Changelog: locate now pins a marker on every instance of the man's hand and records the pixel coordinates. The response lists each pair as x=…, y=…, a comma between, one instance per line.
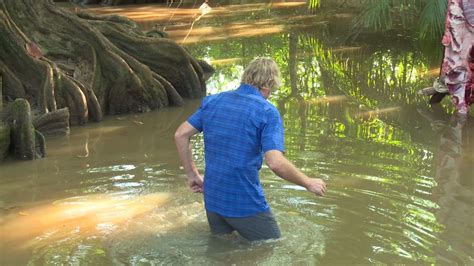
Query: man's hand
x=286, y=170
x=316, y=186
x=195, y=183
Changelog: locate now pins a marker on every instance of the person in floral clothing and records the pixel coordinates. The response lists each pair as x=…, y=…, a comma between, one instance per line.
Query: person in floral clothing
x=458, y=62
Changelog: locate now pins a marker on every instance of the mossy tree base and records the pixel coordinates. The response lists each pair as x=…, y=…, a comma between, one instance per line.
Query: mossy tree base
x=26, y=142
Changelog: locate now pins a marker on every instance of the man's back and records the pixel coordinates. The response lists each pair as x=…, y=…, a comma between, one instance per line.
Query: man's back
x=238, y=126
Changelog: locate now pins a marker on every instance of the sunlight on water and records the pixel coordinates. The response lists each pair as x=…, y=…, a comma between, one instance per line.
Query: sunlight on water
x=83, y=215
x=159, y=13
x=182, y=21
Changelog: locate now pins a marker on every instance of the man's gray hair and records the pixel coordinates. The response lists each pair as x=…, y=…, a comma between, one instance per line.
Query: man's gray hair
x=262, y=72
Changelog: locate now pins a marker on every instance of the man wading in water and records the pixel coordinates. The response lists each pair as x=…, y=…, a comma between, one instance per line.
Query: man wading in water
x=239, y=127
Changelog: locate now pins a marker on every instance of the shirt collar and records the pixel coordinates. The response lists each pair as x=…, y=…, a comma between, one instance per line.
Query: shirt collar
x=248, y=89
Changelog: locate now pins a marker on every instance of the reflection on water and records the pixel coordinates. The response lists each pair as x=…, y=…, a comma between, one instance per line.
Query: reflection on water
x=399, y=174
x=454, y=192
x=378, y=112
x=328, y=99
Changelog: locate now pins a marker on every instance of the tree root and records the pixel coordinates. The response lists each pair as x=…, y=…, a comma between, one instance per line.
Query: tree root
x=173, y=97
x=26, y=143
x=53, y=123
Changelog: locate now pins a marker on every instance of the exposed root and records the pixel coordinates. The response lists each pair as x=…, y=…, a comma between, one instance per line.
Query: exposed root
x=53, y=122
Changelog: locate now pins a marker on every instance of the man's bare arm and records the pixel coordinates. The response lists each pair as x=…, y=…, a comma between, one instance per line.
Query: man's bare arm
x=283, y=168
x=183, y=142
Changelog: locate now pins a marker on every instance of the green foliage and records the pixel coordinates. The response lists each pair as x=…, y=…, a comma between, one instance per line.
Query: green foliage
x=432, y=18
x=314, y=4
x=377, y=16
x=425, y=18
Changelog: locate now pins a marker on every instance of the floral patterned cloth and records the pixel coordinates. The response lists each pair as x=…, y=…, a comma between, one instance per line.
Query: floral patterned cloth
x=468, y=6
x=458, y=40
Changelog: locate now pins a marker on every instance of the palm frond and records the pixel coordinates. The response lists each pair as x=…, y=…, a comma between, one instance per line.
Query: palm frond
x=407, y=11
x=376, y=16
x=432, y=19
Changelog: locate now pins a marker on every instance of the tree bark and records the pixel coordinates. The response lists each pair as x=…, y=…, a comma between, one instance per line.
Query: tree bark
x=93, y=66
x=4, y=140
x=1, y=92
x=53, y=123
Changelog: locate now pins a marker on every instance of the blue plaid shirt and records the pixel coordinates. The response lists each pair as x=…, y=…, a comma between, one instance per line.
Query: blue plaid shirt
x=239, y=127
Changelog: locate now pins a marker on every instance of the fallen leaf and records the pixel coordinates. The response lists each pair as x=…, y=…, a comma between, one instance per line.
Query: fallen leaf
x=33, y=50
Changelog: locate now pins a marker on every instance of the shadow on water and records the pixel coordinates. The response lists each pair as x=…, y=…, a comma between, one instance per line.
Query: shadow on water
x=399, y=173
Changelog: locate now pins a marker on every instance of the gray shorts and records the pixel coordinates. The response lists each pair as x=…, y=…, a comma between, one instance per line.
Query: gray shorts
x=261, y=226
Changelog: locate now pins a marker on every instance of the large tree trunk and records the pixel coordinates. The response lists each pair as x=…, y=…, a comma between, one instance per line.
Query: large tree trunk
x=93, y=66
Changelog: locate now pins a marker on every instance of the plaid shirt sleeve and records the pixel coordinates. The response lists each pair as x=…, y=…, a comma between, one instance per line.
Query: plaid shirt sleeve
x=272, y=133
x=196, y=119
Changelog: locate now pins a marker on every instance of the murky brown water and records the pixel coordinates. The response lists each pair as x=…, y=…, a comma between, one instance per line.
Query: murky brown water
x=399, y=174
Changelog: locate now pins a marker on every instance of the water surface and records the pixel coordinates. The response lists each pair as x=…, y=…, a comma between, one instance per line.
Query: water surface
x=399, y=174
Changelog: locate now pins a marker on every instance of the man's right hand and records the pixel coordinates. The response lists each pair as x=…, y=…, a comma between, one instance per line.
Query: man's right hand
x=182, y=137
x=195, y=183
x=316, y=186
